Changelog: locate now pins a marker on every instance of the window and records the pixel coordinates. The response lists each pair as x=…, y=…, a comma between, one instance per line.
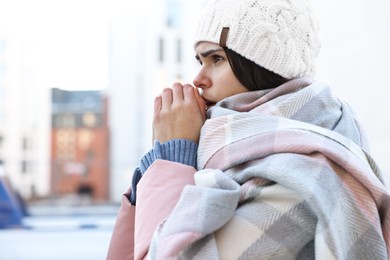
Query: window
x=25, y=166
x=25, y=144
x=173, y=14
x=68, y=121
x=178, y=51
x=161, y=49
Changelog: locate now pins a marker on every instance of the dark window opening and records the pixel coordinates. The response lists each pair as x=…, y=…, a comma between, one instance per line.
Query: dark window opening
x=161, y=50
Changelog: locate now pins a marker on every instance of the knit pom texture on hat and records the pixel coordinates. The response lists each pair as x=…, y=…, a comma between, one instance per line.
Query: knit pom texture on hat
x=279, y=35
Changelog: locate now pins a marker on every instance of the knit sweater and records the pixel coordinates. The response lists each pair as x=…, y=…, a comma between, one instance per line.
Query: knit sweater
x=175, y=150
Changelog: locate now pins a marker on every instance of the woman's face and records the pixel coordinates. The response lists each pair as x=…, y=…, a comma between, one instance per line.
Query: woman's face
x=215, y=77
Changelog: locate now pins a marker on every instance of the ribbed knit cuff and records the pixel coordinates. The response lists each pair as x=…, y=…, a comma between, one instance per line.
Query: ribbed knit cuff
x=175, y=150
x=136, y=178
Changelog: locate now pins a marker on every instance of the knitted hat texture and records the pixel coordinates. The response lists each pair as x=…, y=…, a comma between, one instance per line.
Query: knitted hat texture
x=279, y=35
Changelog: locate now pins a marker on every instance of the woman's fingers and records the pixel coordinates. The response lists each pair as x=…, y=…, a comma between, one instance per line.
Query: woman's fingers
x=157, y=104
x=177, y=93
x=166, y=98
x=192, y=96
x=201, y=103
x=178, y=113
x=188, y=93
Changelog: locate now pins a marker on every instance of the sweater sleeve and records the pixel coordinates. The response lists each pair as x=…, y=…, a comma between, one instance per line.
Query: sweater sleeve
x=177, y=150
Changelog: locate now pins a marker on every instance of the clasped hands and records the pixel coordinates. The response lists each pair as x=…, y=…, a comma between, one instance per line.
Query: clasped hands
x=179, y=112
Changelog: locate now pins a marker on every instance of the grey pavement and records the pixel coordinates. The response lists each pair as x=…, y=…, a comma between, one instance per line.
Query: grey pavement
x=56, y=233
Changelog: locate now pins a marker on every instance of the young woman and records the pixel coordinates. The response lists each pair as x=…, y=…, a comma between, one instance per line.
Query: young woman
x=265, y=163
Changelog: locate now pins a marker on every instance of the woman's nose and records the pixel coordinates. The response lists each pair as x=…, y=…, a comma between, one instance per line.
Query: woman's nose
x=201, y=80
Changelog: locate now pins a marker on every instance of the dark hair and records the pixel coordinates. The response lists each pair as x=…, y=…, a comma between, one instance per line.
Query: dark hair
x=251, y=75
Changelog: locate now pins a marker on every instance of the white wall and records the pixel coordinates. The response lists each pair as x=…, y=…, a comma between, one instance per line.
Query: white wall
x=25, y=115
x=137, y=76
x=129, y=90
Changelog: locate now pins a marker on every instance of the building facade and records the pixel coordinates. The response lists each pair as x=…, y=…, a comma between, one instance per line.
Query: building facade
x=145, y=56
x=2, y=47
x=24, y=120
x=1, y=104
x=80, y=144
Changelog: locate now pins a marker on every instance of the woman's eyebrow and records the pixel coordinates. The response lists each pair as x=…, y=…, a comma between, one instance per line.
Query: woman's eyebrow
x=208, y=53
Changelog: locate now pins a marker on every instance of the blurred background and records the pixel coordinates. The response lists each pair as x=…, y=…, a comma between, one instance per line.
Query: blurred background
x=77, y=83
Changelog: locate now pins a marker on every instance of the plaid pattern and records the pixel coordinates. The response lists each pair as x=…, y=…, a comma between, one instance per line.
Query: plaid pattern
x=276, y=183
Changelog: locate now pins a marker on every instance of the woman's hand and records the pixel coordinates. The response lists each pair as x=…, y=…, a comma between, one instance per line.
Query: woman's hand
x=179, y=112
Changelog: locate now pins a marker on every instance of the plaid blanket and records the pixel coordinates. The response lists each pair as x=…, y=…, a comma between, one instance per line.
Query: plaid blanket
x=283, y=174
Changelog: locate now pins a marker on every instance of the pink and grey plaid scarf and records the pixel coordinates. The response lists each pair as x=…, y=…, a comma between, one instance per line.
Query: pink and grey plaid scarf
x=283, y=174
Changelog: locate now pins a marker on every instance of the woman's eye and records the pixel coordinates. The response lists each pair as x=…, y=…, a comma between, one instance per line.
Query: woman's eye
x=217, y=58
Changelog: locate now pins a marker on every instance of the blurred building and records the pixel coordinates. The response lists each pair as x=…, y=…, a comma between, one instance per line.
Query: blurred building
x=80, y=144
x=145, y=56
x=1, y=104
x=24, y=120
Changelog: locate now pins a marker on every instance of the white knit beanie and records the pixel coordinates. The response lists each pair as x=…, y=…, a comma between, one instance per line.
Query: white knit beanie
x=279, y=35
